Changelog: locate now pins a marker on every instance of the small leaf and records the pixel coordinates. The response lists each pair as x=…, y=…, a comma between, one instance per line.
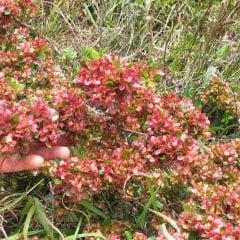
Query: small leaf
x=74, y=73
x=15, y=118
x=128, y=235
x=159, y=205
x=57, y=181
x=24, y=212
x=94, y=54
x=15, y=84
x=187, y=208
x=157, y=78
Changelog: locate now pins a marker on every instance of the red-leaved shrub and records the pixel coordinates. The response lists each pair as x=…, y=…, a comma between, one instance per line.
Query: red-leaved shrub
x=120, y=129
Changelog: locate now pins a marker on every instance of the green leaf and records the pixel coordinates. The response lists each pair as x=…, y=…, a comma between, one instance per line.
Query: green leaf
x=145, y=74
x=128, y=235
x=28, y=221
x=236, y=89
x=126, y=154
x=187, y=208
x=42, y=217
x=157, y=78
x=74, y=73
x=226, y=118
x=93, y=53
x=77, y=229
x=90, y=207
x=24, y=212
x=142, y=216
x=101, y=52
x=139, y=2
x=151, y=190
x=189, y=86
x=159, y=205
x=57, y=181
x=68, y=53
x=152, y=238
x=15, y=118
x=193, y=236
x=42, y=55
x=15, y=84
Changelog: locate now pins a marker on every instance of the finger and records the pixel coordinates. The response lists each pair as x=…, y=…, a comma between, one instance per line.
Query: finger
x=53, y=152
x=13, y=164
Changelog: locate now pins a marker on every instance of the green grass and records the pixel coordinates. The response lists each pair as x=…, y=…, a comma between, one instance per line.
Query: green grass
x=191, y=39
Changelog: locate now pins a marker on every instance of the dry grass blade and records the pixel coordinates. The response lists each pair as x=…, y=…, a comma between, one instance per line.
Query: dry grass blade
x=168, y=219
x=2, y=228
x=166, y=233
x=66, y=19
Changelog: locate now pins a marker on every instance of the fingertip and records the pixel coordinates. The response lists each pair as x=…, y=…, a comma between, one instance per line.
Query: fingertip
x=62, y=152
x=53, y=152
x=31, y=162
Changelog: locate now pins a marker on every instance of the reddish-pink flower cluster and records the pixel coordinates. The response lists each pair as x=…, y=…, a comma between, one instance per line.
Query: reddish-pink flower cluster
x=25, y=67
x=24, y=59
x=123, y=127
x=23, y=124
x=9, y=10
x=214, y=207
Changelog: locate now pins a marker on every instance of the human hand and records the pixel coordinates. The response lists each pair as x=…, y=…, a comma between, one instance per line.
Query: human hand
x=35, y=158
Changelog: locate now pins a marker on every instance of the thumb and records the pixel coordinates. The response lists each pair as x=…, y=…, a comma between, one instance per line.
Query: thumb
x=12, y=164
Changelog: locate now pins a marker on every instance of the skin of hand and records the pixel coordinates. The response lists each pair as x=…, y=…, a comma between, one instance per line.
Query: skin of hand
x=36, y=157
